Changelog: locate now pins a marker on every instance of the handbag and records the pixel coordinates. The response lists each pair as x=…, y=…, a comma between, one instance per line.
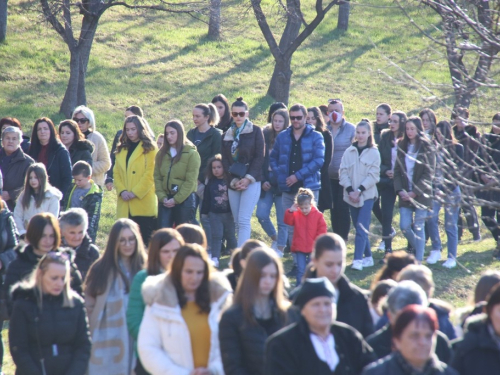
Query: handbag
x=238, y=169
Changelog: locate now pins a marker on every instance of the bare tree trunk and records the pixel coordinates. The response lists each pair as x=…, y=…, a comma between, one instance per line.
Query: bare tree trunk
x=343, y=19
x=70, y=97
x=214, y=23
x=3, y=20
x=279, y=87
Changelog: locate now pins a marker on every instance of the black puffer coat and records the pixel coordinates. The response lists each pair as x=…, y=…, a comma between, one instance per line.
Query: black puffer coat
x=26, y=262
x=290, y=351
x=14, y=174
x=242, y=344
x=81, y=151
x=60, y=335
x=390, y=365
x=86, y=254
x=476, y=353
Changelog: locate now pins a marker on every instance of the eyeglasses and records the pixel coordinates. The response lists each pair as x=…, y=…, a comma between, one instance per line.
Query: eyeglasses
x=296, y=118
x=81, y=120
x=124, y=241
x=236, y=114
x=334, y=101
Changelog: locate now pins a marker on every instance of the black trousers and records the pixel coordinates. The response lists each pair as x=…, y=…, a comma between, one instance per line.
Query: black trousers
x=491, y=218
x=147, y=225
x=339, y=214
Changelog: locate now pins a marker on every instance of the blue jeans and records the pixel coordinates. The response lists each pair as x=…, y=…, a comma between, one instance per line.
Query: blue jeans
x=179, y=214
x=361, y=217
x=242, y=204
x=302, y=262
x=263, y=215
x=414, y=234
x=451, y=204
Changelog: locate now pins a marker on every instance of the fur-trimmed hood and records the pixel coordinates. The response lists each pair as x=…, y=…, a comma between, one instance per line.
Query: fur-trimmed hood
x=160, y=289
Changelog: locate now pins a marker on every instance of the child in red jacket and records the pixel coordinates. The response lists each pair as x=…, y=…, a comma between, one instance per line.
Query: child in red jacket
x=308, y=224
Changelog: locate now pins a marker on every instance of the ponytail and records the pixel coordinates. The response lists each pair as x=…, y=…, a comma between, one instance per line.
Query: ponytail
x=211, y=111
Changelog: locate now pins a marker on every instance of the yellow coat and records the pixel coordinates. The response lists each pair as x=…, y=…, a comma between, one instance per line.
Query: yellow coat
x=138, y=179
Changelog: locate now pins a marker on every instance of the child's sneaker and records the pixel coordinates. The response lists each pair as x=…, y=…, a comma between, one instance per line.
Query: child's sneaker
x=357, y=265
x=215, y=262
x=382, y=245
x=368, y=262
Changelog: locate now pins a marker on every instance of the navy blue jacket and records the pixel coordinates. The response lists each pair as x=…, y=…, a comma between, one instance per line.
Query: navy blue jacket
x=313, y=157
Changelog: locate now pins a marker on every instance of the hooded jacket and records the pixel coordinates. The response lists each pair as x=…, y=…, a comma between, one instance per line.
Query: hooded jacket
x=313, y=156
x=183, y=174
x=27, y=261
x=100, y=156
x=81, y=150
x=14, y=175
x=476, y=353
x=164, y=342
x=86, y=254
x=59, y=335
x=136, y=176
x=360, y=170
x=306, y=229
x=50, y=203
x=91, y=203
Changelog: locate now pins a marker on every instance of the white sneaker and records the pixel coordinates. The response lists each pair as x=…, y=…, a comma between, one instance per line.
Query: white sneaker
x=393, y=233
x=382, y=245
x=368, y=262
x=215, y=262
x=450, y=263
x=274, y=245
x=279, y=253
x=434, y=256
x=357, y=265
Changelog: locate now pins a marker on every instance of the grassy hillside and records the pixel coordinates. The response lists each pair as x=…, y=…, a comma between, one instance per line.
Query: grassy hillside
x=165, y=64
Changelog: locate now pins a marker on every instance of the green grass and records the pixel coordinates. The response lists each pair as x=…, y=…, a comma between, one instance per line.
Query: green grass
x=165, y=64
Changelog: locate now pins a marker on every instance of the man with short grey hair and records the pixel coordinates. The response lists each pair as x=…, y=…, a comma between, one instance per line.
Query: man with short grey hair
x=13, y=165
x=404, y=294
x=74, y=224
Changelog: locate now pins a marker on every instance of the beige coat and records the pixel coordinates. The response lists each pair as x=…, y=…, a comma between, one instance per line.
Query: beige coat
x=164, y=342
x=101, y=161
x=356, y=170
x=22, y=215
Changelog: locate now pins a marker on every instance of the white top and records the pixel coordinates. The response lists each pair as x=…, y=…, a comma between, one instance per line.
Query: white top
x=410, y=159
x=173, y=152
x=325, y=350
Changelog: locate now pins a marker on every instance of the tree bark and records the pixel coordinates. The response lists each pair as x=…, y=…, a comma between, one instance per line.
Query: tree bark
x=3, y=20
x=343, y=19
x=279, y=87
x=214, y=23
x=70, y=99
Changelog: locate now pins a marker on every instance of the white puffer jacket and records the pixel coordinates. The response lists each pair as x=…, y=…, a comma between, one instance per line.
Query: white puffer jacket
x=164, y=343
x=22, y=216
x=101, y=160
x=356, y=170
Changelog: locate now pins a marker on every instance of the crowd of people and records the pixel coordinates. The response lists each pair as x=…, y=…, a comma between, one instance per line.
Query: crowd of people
x=154, y=301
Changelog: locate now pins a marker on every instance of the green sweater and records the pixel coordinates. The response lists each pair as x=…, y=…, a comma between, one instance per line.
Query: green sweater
x=136, y=305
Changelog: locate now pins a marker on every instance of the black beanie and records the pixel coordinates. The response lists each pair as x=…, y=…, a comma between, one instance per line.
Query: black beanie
x=312, y=288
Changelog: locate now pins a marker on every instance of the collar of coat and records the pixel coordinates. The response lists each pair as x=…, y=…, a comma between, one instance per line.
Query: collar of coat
x=160, y=289
x=248, y=128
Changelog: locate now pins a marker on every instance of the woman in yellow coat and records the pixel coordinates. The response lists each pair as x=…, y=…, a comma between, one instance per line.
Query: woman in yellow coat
x=133, y=173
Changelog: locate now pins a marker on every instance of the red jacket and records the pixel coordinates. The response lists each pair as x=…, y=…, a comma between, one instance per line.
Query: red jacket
x=306, y=229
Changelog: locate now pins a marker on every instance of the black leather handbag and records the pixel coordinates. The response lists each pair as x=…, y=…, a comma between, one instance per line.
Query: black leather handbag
x=238, y=169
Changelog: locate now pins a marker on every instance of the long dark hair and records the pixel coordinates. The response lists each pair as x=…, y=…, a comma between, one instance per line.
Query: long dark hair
x=283, y=113
x=320, y=121
x=159, y=239
x=420, y=139
x=179, y=145
x=208, y=173
x=108, y=263
x=75, y=129
x=43, y=182
x=224, y=121
x=142, y=131
x=202, y=295
x=35, y=141
x=402, y=123
x=248, y=284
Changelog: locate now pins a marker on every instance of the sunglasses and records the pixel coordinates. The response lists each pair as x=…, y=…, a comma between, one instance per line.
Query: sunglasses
x=296, y=118
x=236, y=114
x=81, y=120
